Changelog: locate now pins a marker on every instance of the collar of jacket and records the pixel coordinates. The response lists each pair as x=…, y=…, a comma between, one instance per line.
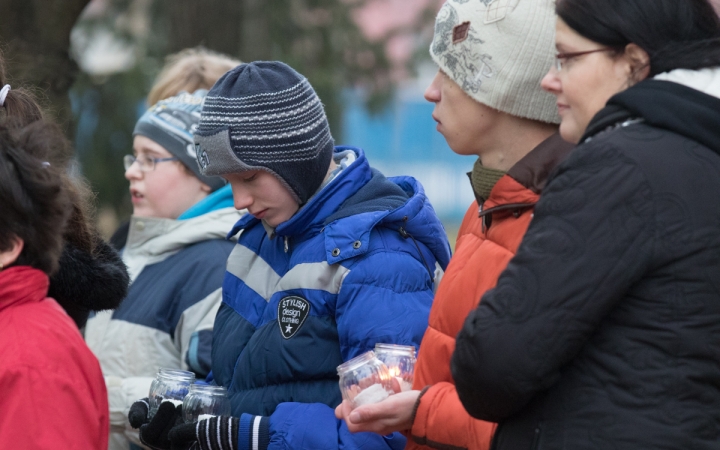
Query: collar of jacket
x=666, y=105
x=483, y=179
x=154, y=236
x=521, y=187
x=401, y=203
x=22, y=284
x=323, y=203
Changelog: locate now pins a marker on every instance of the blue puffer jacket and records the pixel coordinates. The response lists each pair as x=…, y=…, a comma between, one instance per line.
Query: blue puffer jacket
x=355, y=266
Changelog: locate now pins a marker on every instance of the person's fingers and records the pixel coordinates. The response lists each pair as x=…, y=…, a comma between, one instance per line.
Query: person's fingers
x=182, y=434
x=137, y=415
x=366, y=413
x=395, y=384
x=343, y=409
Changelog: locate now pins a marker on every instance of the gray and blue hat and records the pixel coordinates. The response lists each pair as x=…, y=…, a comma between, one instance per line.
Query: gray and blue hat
x=265, y=116
x=172, y=123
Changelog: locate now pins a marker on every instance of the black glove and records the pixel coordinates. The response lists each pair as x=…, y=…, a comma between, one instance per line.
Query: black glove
x=138, y=413
x=216, y=433
x=155, y=433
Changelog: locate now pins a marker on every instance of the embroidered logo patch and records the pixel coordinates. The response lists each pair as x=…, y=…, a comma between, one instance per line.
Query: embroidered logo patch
x=292, y=312
x=460, y=32
x=202, y=157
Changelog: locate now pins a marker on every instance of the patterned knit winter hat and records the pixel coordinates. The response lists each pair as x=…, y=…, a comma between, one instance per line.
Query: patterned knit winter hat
x=266, y=116
x=171, y=123
x=498, y=51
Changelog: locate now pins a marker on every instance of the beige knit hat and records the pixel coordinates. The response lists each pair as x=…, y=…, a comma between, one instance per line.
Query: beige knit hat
x=497, y=51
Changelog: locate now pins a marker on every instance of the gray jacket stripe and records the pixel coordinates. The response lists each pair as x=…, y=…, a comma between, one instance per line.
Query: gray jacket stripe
x=261, y=278
x=253, y=270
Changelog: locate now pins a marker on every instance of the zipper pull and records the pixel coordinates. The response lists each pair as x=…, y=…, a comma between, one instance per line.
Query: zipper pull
x=287, y=245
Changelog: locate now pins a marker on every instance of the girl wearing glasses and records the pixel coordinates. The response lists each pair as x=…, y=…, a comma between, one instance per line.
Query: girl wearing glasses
x=175, y=253
x=604, y=330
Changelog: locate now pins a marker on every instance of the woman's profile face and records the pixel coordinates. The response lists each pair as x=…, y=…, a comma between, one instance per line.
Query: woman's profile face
x=585, y=83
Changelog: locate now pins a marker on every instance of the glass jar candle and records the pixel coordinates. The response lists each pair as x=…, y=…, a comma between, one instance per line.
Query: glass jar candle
x=400, y=362
x=169, y=385
x=364, y=380
x=205, y=401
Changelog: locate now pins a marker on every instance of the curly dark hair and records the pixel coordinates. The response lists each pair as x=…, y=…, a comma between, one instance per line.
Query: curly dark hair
x=34, y=204
x=20, y=110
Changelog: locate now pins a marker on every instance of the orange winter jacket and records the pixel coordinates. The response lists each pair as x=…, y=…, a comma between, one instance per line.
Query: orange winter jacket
x=487, y=240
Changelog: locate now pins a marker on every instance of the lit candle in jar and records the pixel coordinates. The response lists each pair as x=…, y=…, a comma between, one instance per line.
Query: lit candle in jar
x=364, y=380
x=400, y=361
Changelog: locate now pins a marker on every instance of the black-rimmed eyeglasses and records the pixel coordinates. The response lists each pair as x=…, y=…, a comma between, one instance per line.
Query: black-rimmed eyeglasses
x=146, y=163
x=562, y=58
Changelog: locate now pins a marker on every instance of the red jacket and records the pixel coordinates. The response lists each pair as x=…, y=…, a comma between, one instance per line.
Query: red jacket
x=486, y=242
x=52, y=392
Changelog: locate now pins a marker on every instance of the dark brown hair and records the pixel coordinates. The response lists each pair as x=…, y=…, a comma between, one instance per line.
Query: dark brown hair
x=34, y=204
x=20, y=104
x=21, y=109
x=676, y=34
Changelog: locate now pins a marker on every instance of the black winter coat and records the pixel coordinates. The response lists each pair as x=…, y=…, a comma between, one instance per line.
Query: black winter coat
x=604, y=331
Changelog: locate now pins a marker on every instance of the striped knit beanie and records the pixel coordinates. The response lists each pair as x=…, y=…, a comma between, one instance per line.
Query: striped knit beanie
x=171, y=123
x=265, y=116
x=498, y=51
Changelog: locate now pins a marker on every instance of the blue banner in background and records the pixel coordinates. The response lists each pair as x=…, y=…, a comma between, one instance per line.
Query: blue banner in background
x=402, y=140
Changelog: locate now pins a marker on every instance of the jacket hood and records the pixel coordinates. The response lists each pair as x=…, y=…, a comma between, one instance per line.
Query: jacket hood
x=415, y=218
x=358, y=200
x=397, y=203
x=88, y=282
x=666, y=105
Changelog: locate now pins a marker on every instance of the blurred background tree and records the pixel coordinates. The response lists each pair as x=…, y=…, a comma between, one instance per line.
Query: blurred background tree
x=35, y=39
x=121, y=45
x=92, y=62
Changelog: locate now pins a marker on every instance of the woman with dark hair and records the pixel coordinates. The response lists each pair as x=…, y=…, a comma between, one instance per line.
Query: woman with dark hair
x=92, y=277
x=604, y=331
x=53, y=392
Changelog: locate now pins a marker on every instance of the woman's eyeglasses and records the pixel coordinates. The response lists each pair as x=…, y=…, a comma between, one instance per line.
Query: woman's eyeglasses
x=562, y=58
x=146, y=163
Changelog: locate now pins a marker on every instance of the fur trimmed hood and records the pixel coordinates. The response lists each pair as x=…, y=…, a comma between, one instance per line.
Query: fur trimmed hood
x=89, y=282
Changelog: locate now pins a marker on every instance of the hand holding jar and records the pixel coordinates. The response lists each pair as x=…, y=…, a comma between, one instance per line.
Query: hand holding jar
x=364, y=380
x=374, y=376
x=169, y=385
x=204, y=402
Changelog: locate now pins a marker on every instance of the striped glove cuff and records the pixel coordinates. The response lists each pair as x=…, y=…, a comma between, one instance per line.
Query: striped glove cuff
x=254, y=432
x=218, y=433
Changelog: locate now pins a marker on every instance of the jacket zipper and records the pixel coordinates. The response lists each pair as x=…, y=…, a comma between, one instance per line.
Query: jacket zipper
x=486, y=214
x=536, y=437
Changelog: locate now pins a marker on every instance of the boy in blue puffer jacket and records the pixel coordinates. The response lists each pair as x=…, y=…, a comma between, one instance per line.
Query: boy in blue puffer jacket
x=332, y=259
